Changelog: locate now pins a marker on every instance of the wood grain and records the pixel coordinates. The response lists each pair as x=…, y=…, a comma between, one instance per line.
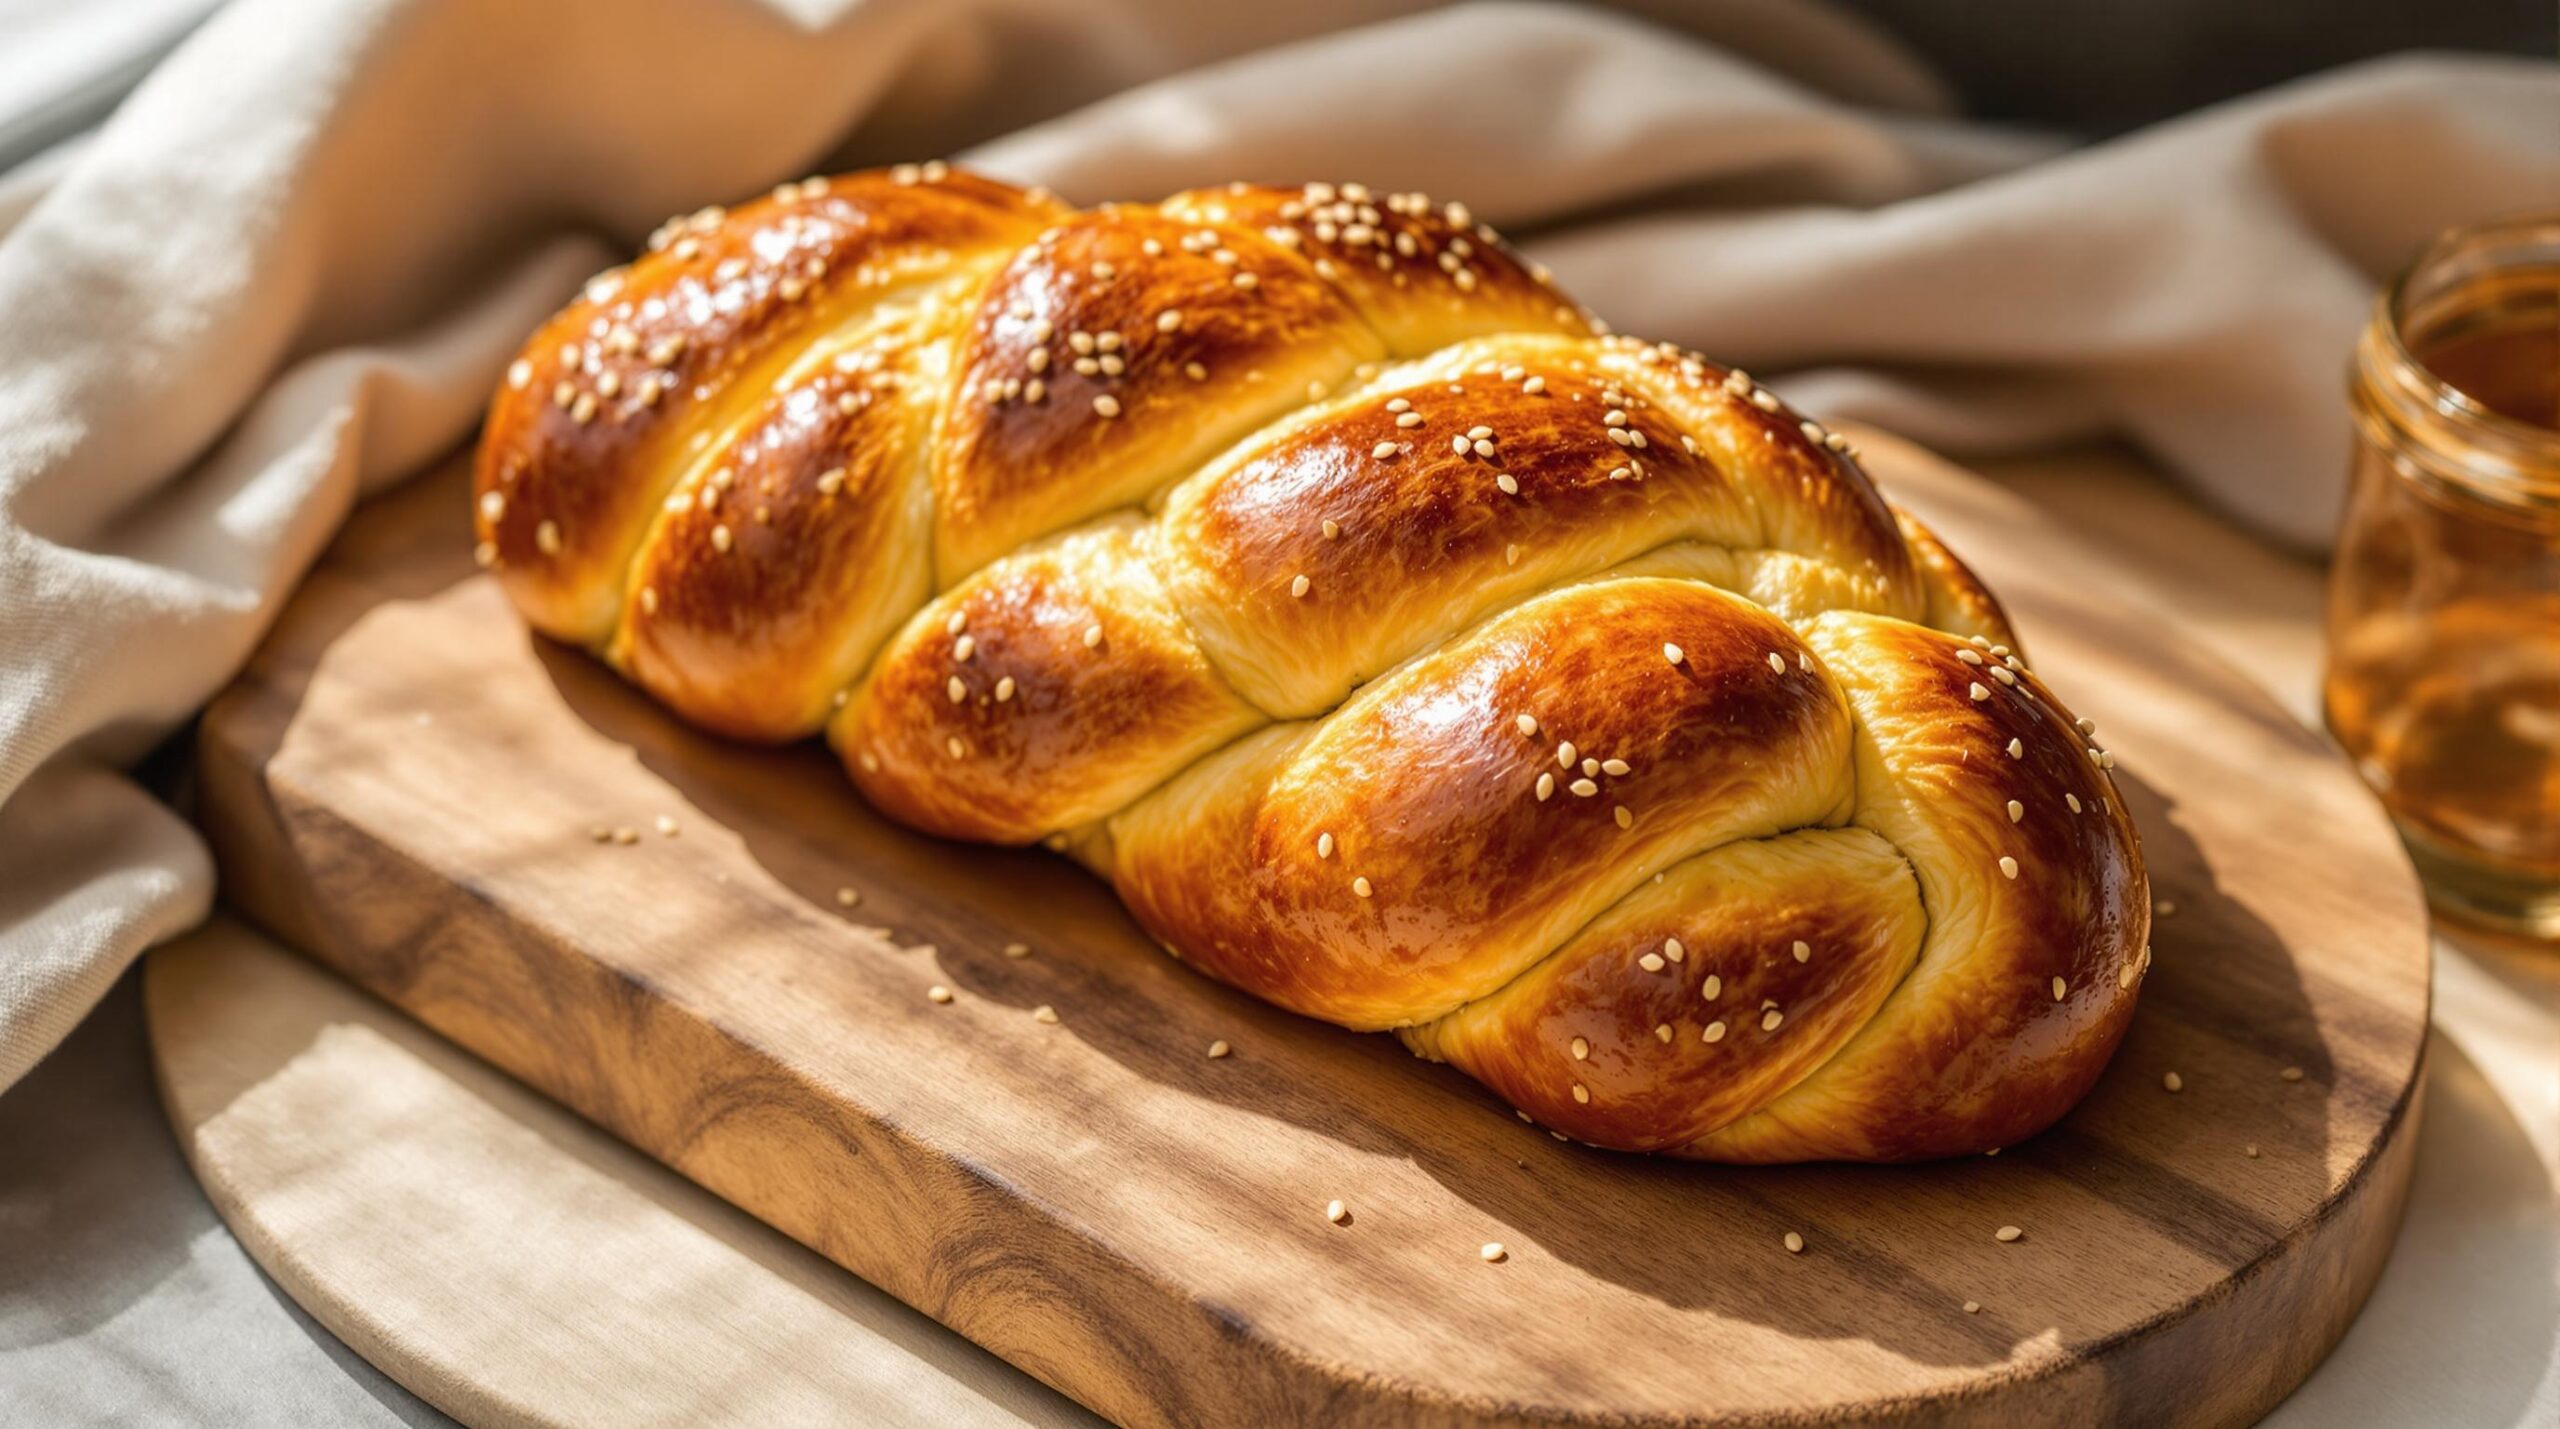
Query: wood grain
x=405, y=783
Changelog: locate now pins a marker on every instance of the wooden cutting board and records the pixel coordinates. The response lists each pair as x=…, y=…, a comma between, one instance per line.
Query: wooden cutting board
x=404, y=783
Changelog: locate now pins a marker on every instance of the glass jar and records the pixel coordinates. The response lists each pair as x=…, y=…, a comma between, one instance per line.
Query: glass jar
x=2444, y=598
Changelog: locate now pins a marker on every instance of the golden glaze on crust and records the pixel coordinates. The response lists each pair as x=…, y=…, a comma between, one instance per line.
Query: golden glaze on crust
x=1570, y=704
x=1114, y=354
x=1697, y=999
x=1481, y=845
x=592, y=425
x=1424, y=275
x=1981, y=1045
x=776, y=572
x=1045, y=692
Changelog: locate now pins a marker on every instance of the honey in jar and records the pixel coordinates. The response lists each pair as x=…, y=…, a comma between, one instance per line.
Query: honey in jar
x=2444, y=599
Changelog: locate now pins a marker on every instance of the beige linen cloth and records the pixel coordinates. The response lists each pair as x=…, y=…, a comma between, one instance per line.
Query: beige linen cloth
x=289, y=270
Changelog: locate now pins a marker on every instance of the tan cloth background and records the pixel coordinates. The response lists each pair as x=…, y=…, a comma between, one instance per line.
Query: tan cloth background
x=291, y=267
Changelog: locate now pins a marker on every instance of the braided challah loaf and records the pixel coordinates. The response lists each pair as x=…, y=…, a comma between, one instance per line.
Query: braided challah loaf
x=1402, y=651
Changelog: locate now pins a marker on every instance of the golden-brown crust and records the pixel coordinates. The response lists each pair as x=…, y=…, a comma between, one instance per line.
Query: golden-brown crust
x=1980, y=1046
x=1050, y=689
x=1696, y=1000
x=777, y=571
x=1114, y=354
x=592, y=426
x=1619, y=772
x=1958, y=602
x=1423, y=274
x=1431, y=792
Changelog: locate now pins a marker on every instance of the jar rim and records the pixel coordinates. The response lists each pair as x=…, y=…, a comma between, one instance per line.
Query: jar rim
x=2528, y=451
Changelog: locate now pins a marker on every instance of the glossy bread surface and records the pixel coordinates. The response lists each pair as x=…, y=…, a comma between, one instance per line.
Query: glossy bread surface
x=1401, y=650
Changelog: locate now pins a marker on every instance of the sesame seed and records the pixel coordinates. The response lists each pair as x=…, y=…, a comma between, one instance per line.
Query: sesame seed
x=2008, y=867
x=2003, y=676
x=1409, y=419
x=1107, y=405
x=1565, y=754
x=955, y=748
x=1219, y=1049
x=1803, y=951
x=1324, y=845
x=1712, y=989
x=1613, y=767
x=2017, y=749
x=626, y=835
x=1170, y=320
x=2173, y=1082
x=1581, y=1049
x=1383, y=450
x=1092, y=636
x=1493, y=1252
x=1769, y=1020
x=1361, y=887
x=846, y=897
x=1969, y=655
x=1674, y=654
x=938, y=993
x=720, y=537
x=2059, y=988
x=1662, y=1032
x=1017, y=950
x=1195, y=372
x=1581, y=1093
x=1336, y=1212
x=1004, y=689
x=2073, y=800
x=1973, y=1307
x=1526, y=724
x=1298, y=588
x=2006, y=1234
x=1794, y=1243
x=547, y=537
x=667, y=827
x=1582, y=788
x=1625, y=819
x=1977, y=691
x=1045, y=1014
x=1508, y=486
x=1534, y=386
x=2250, y=1151
x=1546, y=787
x=2017, y=811
x=2164, y=907
x=1715, y=1032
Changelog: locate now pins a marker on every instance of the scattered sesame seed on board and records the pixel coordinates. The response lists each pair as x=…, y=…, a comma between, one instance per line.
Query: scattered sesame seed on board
x=2006, y=1234
x=1794, y=1243
x=2173, y=1082
x=1493, y=1253
x=1803, y=951
x=1714, y=1032
x=1581, y=1048
x=938, y=993
x=1045, y=1014
x=2291, y=1074
x=1219, y=1049
x=1017, y=950
x=1973, y=1307
x=1337, y=1213
x=847, y=897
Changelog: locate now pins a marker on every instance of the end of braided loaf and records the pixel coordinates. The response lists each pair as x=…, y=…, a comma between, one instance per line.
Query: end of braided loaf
x=1403, y=651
